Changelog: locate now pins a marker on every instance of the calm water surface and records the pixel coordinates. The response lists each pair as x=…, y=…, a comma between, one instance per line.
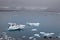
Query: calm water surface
x=50, y=22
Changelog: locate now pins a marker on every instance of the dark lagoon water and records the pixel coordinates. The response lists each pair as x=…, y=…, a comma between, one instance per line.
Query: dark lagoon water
x=49, y=22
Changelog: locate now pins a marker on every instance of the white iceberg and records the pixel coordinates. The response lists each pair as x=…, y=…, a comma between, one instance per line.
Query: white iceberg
x=34, y=30
x=13, y=26
x=42, y=32
x=47, y=34
x=33, y=24
x=31, y=37
x=37, y=35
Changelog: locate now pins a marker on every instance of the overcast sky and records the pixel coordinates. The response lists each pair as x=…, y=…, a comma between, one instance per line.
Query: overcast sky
x=31, y=3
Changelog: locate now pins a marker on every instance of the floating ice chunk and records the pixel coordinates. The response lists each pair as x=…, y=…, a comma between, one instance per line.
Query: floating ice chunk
x=23, y=36
x=22, y=26
x=37, y=35
x=34, y=39
x=14, y=26
x=34, y=29
x=42, y=32
x=33, y=24
x=31, y=37
x=46, y=34
x=52, y=33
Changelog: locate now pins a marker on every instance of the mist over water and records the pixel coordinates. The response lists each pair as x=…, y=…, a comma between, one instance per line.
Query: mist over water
x=53, y=5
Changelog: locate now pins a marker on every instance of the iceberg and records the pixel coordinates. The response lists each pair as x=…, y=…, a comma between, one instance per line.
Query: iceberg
x=31, y=37
x=37, y=35
x=47, y=34
x=14, y=26
x=42, y=32
x=33, y=24
x=34, y=30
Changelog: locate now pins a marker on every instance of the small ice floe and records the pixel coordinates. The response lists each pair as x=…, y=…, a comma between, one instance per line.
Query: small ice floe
x=37, y=35
x=14, y=26
x=47, y=34
x=34, y=39
x=42, y=32
x=23, y=36
x=33, y=24
x=34, y=30
x=31, y=37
